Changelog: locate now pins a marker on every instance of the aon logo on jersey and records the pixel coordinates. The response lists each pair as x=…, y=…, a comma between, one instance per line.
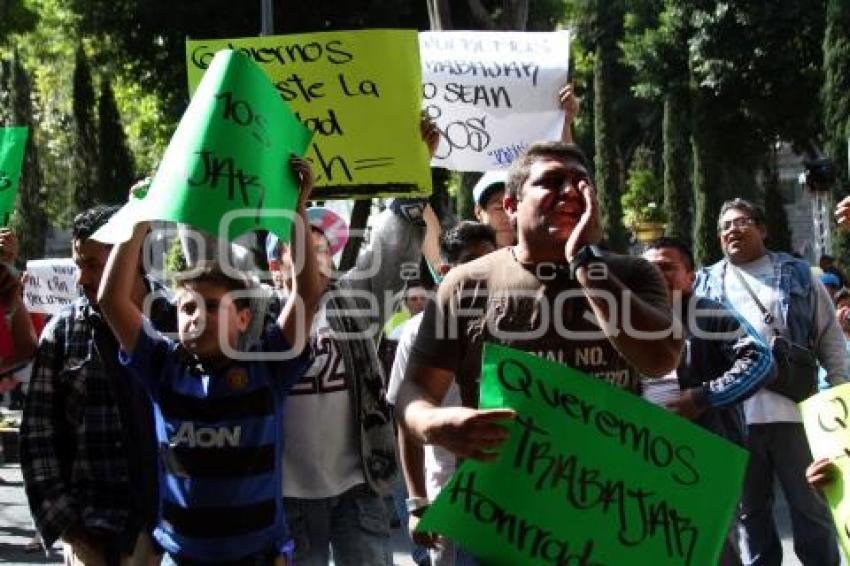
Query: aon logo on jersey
x=206, y=437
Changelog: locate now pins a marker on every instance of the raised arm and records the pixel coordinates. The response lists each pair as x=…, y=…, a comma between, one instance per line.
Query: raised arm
x=570, y=103
x=24, y=340
x=642, y=325
x=296, y=316
x=116, y=289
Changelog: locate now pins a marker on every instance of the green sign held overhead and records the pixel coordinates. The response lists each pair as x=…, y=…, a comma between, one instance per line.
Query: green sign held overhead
x=359, y=91
x=590, y=475
x=13, y=143
x=226, y=169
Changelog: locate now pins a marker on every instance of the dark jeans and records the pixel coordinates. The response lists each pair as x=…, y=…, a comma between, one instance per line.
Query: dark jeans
x=781, y=449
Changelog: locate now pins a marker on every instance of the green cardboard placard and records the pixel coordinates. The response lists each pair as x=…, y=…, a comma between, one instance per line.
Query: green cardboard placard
x=826, y=418
x=13, y=144
x=590, y=475
x=359, y=91
x=226, y=169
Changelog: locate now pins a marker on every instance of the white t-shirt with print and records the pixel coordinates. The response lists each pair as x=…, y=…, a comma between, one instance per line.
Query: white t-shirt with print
x=321, y=458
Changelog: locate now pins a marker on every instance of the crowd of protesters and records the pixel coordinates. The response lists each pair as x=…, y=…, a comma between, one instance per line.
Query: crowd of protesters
x=218, y=418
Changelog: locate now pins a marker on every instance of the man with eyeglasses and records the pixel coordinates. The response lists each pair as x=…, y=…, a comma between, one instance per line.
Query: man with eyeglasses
x=777, y=295
x=555, y=294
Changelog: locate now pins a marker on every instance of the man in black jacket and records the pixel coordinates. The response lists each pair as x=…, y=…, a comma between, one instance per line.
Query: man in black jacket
x=724, y=361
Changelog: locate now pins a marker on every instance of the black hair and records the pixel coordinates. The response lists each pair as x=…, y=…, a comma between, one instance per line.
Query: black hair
x=89, y=221
x=521, y=168
x=461, y=236
x=676, y=244
x=212, y=273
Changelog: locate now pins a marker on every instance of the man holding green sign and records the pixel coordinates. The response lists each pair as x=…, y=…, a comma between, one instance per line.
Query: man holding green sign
x=554, y=294
x=595, y=476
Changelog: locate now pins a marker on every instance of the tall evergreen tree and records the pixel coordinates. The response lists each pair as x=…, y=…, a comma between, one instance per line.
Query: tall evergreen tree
x=609, y=17
x=85, y=131
x=30, y=219
x=115, y=172
x=706, y=182
x=678, y=195
x=836, y=106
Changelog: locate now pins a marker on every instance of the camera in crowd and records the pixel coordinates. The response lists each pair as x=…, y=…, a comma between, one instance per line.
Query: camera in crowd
x=819, y=174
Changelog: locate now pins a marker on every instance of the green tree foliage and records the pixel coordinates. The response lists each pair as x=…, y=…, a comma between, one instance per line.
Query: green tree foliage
x=84, y=174
x=836, y=106
x=30, y=219
x=735, y=77
x=655, y=47
x=678, y=193
x=15, y=17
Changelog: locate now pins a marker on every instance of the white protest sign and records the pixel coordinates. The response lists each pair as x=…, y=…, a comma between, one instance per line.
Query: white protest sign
x=492, y=94
x=51, y=284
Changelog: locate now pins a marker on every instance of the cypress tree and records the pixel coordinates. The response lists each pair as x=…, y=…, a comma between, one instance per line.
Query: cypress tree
x=678, y=198
x=85, y=150
x=836, y=107
x=115, y=173
x=30, y=219
x=609, y=16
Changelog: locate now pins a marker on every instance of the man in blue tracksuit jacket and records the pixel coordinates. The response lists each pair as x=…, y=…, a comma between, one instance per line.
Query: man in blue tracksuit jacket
x=724, y=360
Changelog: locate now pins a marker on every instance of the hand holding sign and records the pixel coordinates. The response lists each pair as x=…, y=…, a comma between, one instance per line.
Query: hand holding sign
x=826, y=418
x=470, y=433
x=589, y=475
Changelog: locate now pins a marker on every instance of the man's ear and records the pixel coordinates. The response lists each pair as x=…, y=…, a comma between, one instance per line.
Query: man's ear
x=476, y=211
x=243, y=318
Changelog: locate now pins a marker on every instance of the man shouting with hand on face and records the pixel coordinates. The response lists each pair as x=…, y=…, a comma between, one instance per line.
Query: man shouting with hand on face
x=555, y=294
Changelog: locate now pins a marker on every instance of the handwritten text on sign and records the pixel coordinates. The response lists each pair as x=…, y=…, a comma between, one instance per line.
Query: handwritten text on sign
x=826, y=418
x=492, y=94
x=590, y=475
x=225, y=170
x=51, y=285
x=362, y=104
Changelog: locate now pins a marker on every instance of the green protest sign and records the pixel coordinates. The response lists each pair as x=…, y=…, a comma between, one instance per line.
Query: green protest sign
x=826, y=417
x=226, y=169
x=13, y=143
x=359, y=91
x=590, y=475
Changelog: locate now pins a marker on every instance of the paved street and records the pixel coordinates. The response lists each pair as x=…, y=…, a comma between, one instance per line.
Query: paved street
x=16, y=530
